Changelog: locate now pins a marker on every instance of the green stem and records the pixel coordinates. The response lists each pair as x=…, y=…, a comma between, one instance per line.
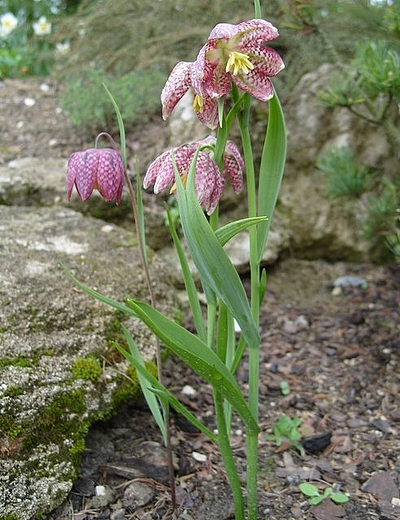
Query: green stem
x=252, y=440
x=227, y=456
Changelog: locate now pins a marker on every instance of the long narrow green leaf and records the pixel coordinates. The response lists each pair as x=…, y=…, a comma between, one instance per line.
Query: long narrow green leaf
x=271, y=170
x=225, y=233
x=212, y=262
x=164, y=394
x=121, y=126
x=197, y=356
x=145, y=385
x=109, y=301
x=190, y=286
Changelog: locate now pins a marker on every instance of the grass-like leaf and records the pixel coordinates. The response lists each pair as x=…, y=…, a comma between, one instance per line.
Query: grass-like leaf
x=195, y=353
x=271, y=170
x=164, y=394
x=212, y=262
x=145, y=385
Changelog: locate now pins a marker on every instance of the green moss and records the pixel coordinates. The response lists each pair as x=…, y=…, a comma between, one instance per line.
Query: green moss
x=16, y=362
x=9, y=427
x=59, y=421
x=11, y=516
x=87, y=368
x=13, y=391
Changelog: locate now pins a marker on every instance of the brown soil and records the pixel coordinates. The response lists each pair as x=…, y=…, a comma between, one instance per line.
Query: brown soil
x=339, y=354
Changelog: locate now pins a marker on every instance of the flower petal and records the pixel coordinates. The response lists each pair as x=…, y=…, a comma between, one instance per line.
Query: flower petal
x=215, y=81
x=209, y=115
x=256, y=81
x=71, y=172
x=160, y=172
x=234, y=166
x=208, y=182
x=176, y=87
x=110, y=174
x=224, y=31
x=255, y=32
x=86, y=173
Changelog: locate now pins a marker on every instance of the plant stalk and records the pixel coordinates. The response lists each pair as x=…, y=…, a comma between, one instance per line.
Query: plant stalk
x=227, y=456
x=252, y=439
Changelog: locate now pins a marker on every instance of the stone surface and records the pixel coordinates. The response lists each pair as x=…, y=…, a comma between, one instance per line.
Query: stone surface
x=46, y=324
x=319, y=227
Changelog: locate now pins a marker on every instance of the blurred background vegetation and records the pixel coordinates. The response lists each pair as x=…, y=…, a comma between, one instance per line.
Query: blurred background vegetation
x=132, y=45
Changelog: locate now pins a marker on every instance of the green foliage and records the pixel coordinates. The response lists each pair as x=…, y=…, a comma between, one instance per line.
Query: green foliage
x=285, y=388
x=87, y=368
x=88, y=105
x=345, y=176
x=310, y=490
x=391, y=18
x=13, y=391
x=383, y=212
x=9, y=426
x=378, y=67
x=23, y=50
x=369, y=85
x=16, y=362
x=286, y=430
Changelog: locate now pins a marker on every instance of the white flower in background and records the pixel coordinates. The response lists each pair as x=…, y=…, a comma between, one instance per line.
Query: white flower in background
x=8, y=22
x=42, y=27
x=63, y=48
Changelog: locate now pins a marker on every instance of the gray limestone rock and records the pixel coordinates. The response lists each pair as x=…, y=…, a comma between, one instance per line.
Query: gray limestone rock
x=48, y=395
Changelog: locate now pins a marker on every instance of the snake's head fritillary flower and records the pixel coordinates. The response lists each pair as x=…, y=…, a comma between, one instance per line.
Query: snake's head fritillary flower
x=238, y=54
x=178, y=83
x=233, y=54
x=209, y=182
x=96, y=168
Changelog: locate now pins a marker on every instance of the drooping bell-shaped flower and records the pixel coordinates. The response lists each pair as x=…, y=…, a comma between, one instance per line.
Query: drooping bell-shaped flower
x=238, y=54
x=178, y=83
x=233, y=54
x=96, y=168
x=209, y=182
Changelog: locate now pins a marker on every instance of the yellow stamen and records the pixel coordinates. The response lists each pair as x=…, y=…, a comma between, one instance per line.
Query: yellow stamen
x=198, y=104
x=183, y=179
x=239, y=62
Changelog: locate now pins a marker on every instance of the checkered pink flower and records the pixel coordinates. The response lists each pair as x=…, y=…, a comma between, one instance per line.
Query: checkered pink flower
x=178, y=83
x=209, y=183
x=236, y=53
x=233, y=54
x=96, y=168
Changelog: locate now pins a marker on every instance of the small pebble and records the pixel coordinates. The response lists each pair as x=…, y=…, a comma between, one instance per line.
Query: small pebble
x=29, y=102
x=200, y=457
x=350, y=281
x=189, y=391
x=136, y=495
